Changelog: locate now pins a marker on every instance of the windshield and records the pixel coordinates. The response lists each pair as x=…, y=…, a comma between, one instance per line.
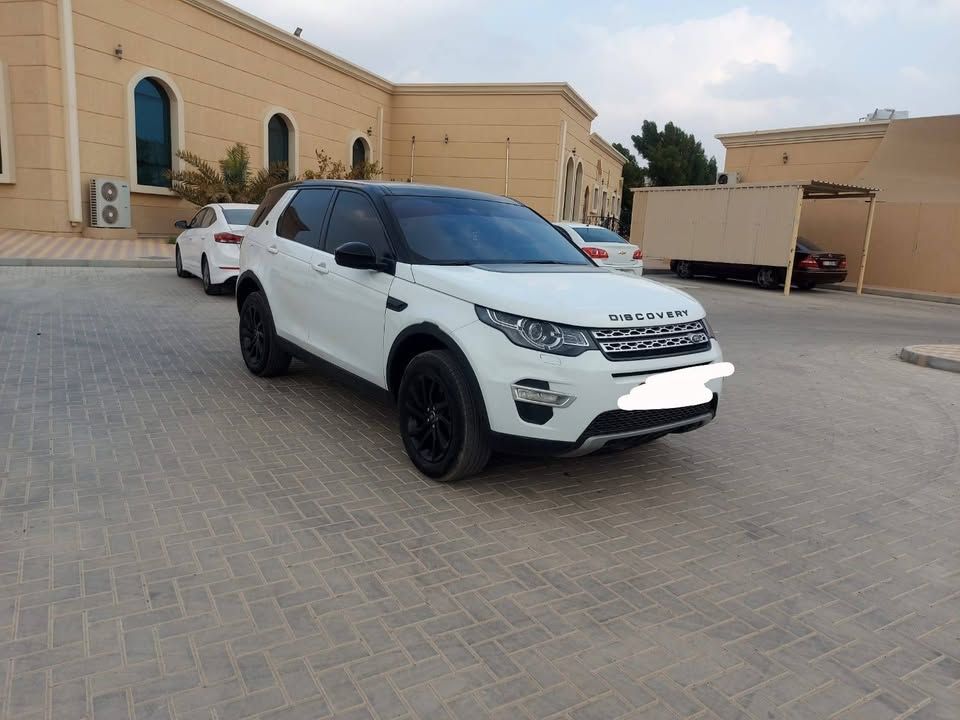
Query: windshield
x=596, y=234
x=468, y=231
x=238, y=216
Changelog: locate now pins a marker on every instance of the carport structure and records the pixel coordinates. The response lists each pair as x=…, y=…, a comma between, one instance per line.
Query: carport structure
x=749, y=224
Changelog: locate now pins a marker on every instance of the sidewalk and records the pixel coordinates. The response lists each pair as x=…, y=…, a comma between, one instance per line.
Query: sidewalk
x=19, y=247
x=941, y=357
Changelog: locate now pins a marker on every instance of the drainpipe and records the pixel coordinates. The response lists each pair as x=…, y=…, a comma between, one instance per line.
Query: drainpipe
x=380, y=139
x=506, y=174
x=563, y=156
x=71, y=126
x=413, y=148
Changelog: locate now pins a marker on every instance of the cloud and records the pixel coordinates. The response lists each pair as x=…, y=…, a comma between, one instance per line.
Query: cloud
x=862, y=12
x=676, y=388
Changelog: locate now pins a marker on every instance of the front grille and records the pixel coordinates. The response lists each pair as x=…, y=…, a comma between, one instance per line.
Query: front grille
x=614, y=422
x=652, y=341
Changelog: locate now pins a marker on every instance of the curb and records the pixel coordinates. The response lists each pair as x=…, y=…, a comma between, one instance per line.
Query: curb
x=904, y=294
x=918, y=355
x=82, y=262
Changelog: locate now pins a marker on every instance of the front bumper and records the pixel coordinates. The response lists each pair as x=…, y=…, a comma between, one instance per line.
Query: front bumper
x=595, y=382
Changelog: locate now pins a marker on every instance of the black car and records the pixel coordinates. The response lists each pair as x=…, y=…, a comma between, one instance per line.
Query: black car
x=811, y=266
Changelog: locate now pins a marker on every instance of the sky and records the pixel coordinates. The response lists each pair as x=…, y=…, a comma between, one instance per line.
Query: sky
x=709, y=66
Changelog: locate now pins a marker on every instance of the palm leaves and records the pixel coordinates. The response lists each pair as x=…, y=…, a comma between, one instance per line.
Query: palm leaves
x=203, y=184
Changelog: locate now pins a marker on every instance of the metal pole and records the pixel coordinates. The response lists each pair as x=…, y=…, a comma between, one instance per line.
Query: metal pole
x=506, y=174
x=413, y=147
x=866, y=244
x=793, y=242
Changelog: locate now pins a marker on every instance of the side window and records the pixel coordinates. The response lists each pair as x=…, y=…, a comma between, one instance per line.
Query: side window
x=302, y=219
x=195, y=223
x=209, y=218
x=266, y=205
x=354, y=219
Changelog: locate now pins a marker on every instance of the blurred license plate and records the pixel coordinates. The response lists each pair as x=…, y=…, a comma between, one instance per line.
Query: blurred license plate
x=829, y=263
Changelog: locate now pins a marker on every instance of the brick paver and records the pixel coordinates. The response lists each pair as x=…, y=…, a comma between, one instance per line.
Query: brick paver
x=179, y=540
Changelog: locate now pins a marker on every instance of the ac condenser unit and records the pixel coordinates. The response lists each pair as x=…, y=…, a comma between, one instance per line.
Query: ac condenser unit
x=728, y=178
x=109, y=203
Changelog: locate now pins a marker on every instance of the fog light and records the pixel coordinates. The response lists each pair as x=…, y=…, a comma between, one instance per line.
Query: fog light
x=541, y=397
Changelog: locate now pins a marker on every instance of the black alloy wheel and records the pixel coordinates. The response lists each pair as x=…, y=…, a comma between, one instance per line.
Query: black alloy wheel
x=429, y=422
x=441, y=418
x=259, y=344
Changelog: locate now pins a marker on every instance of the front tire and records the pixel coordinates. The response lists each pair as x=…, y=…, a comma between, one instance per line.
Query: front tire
x=259, y=343
x=441, y=421
x=208, y=287
x=180, y=271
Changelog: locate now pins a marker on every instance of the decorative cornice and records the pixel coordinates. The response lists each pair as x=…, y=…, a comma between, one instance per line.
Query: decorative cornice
x=245, y=20
x=546, y=88
x=814, y=133
x=282, y=37
x=607, y=148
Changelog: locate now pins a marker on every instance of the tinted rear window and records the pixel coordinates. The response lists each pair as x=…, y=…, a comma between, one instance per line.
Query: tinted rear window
x=273, y=196
x=454, y=230
x=598, y=235
x=804, y=245
x=238, y=216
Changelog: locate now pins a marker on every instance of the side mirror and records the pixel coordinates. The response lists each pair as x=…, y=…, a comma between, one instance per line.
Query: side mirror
x=182, y=224
x=357, y=255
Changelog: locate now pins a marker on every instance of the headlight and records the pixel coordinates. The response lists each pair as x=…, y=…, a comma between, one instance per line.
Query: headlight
x=538, y=334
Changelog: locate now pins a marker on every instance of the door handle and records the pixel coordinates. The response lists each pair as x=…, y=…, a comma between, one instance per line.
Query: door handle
x=321, y=267
x=273, y=249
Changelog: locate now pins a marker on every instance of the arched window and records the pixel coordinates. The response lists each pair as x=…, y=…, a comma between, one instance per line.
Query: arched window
x=278, y=141
x=567, y=211
x=577, y=185
x=154, y=138
x=586, y=205
x=359, y=153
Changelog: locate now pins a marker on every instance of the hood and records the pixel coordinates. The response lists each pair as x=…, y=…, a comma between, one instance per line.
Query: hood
x=592, y=297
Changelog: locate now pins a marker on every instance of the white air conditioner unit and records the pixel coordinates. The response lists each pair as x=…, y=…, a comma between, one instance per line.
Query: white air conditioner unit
x=728, y=178
x=109, y=203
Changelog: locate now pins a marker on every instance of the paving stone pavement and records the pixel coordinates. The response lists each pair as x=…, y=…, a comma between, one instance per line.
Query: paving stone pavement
x=179, y=540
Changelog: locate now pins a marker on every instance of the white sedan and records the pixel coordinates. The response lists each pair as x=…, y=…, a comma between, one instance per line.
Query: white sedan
x=209, y=245
x=605, y=247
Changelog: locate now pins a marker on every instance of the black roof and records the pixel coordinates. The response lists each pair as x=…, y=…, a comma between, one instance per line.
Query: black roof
x=400, y=188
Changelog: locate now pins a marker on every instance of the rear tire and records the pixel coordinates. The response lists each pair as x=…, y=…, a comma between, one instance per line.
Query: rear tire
x=767, y=278
x=441, y=420
x=684, y=269
x=259, y=343
x=180, y=271
x=208, y=287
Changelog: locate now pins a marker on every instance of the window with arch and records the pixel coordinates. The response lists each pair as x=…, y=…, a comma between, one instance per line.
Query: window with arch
x=154, y=137
x=278, y=141
x=359, y=153
x=566, y=212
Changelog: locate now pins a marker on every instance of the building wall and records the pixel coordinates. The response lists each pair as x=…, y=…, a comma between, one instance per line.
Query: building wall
x=228, y=73
x=835, y=160
x=29, y=49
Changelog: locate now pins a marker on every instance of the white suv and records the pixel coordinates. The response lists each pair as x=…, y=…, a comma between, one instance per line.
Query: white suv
x=488, y=326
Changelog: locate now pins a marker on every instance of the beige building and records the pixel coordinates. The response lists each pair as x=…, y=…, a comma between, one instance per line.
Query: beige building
x=915, y=242
x=113, y=88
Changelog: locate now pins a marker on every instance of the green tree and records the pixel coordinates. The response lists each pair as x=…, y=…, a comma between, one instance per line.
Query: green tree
x=633, y=176
x=673, y=156
x=233, y=182
x=328, y=169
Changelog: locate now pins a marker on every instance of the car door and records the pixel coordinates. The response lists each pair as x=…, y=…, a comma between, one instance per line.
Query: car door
x=293, y=279
x=352, y=306
x=204, y=233
x=191, y=261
